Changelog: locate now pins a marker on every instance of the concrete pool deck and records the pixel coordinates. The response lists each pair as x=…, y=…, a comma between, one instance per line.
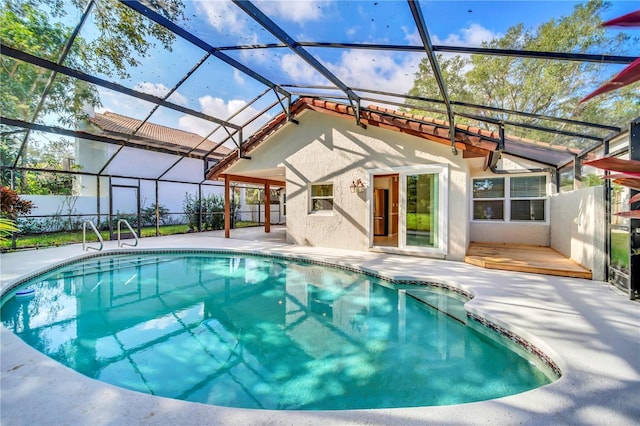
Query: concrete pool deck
x=590, y=329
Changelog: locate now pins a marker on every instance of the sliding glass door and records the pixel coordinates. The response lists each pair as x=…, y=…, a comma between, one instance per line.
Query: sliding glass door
x=421, y=210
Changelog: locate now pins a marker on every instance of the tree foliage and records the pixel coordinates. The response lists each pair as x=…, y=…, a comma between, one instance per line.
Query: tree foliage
x=43, y=27
x=121, y=39
x=540, y=86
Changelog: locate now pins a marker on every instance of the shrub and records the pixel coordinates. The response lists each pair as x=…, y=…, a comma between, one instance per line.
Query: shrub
x=12, y=204
x=7, y=227
x=211, y=208
x=148, y=215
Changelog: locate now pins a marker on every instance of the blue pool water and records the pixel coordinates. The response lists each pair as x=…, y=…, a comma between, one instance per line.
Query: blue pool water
x=257, y=332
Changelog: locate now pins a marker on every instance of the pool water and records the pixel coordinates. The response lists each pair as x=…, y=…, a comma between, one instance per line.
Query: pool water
x=258, y=332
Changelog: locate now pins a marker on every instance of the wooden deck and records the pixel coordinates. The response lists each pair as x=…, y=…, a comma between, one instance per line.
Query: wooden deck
x=523, y=258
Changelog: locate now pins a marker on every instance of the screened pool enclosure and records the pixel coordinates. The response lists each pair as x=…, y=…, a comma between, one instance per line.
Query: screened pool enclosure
x=118, y=109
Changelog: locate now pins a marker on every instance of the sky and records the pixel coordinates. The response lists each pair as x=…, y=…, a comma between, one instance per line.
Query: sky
x=218, y=89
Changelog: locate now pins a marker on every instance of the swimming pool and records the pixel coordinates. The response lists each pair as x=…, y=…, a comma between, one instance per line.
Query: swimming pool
x=257, y=332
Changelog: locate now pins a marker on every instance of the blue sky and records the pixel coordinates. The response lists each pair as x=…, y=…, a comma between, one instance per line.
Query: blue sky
x=219, y=90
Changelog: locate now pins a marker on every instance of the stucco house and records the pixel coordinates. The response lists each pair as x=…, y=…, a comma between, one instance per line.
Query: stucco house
x=393, y=182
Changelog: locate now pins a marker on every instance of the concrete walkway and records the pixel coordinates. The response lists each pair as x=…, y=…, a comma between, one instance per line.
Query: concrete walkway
x=591, y=331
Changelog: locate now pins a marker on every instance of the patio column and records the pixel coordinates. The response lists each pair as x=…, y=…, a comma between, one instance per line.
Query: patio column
x=267, y=207
x=227, y=208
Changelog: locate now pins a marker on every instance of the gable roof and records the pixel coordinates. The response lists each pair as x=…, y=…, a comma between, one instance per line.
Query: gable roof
x=155, y=135
x=472, y=141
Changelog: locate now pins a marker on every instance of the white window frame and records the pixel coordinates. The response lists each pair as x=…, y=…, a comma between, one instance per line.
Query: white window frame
x=544, y=198
x=504, y=199
x=507, y=199
x=324, y=197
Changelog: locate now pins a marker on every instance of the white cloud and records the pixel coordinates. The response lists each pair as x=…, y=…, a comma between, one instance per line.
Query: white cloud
x=238, y=77
x=160, y=90
x=298, y=11
x=124, y=105
x=299, y=71
x=413, y=38
x=155, y=89
x=223, y=16
x=178, y=98
x=228, y=19
x=218, y=108
x=376, y=70
x=472, y=36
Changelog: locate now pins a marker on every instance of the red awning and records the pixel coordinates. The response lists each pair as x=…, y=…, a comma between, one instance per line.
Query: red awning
x=629, y=75
x=630, y=181
x=634, y=214
x=629, y=20
x=615, y=164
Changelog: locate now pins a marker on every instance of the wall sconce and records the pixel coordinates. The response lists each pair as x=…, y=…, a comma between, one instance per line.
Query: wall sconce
x=357, y=186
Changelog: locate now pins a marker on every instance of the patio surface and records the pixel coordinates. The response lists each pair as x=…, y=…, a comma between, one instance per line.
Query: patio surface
x=590, y=329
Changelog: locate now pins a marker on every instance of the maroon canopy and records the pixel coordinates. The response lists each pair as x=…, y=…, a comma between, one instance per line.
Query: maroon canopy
x=631, y=73
x=629, y=20
x=630, y=181
x=628, y=75
x=615, y=164
x=633, y=214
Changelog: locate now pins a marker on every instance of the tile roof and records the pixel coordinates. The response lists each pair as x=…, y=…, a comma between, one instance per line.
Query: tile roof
x=155, y=135
x=472, y=141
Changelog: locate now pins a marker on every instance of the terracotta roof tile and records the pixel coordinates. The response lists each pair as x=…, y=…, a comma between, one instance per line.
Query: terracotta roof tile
x=154, y=134
x=479, y=142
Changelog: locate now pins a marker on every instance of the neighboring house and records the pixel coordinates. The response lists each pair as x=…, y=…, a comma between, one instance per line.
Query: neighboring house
x=146, y=168
x=397, y=185
x=151, y=154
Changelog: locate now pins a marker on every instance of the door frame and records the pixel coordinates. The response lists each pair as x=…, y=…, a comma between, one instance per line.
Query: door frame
x=136, y=188
x=442, y=170
x=392, y=221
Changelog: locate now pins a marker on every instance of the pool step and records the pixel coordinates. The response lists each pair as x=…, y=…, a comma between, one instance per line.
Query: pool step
x=100, y=266
x=443, y=303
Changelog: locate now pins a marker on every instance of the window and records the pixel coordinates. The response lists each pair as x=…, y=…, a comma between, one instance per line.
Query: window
x=526, y=200
x=321, y=197
x=488, y=199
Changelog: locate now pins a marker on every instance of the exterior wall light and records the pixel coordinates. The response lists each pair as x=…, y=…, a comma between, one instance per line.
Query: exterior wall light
x=357, y=186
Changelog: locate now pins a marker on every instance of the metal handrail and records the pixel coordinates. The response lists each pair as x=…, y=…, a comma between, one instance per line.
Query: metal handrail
x=85, y=247
x=135, y=236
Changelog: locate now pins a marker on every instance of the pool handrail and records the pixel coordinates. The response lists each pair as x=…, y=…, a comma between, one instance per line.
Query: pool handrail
x=135, y=236
x=86, y=247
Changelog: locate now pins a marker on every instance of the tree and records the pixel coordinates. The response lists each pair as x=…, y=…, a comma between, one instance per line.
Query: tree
x=38, y=27
x=539, y=86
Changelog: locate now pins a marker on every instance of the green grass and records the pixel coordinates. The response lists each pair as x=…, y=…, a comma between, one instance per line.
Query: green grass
x=419, y=221
x=620, y=250
x=165, y=230
x=55, y=239
x=246, y=224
